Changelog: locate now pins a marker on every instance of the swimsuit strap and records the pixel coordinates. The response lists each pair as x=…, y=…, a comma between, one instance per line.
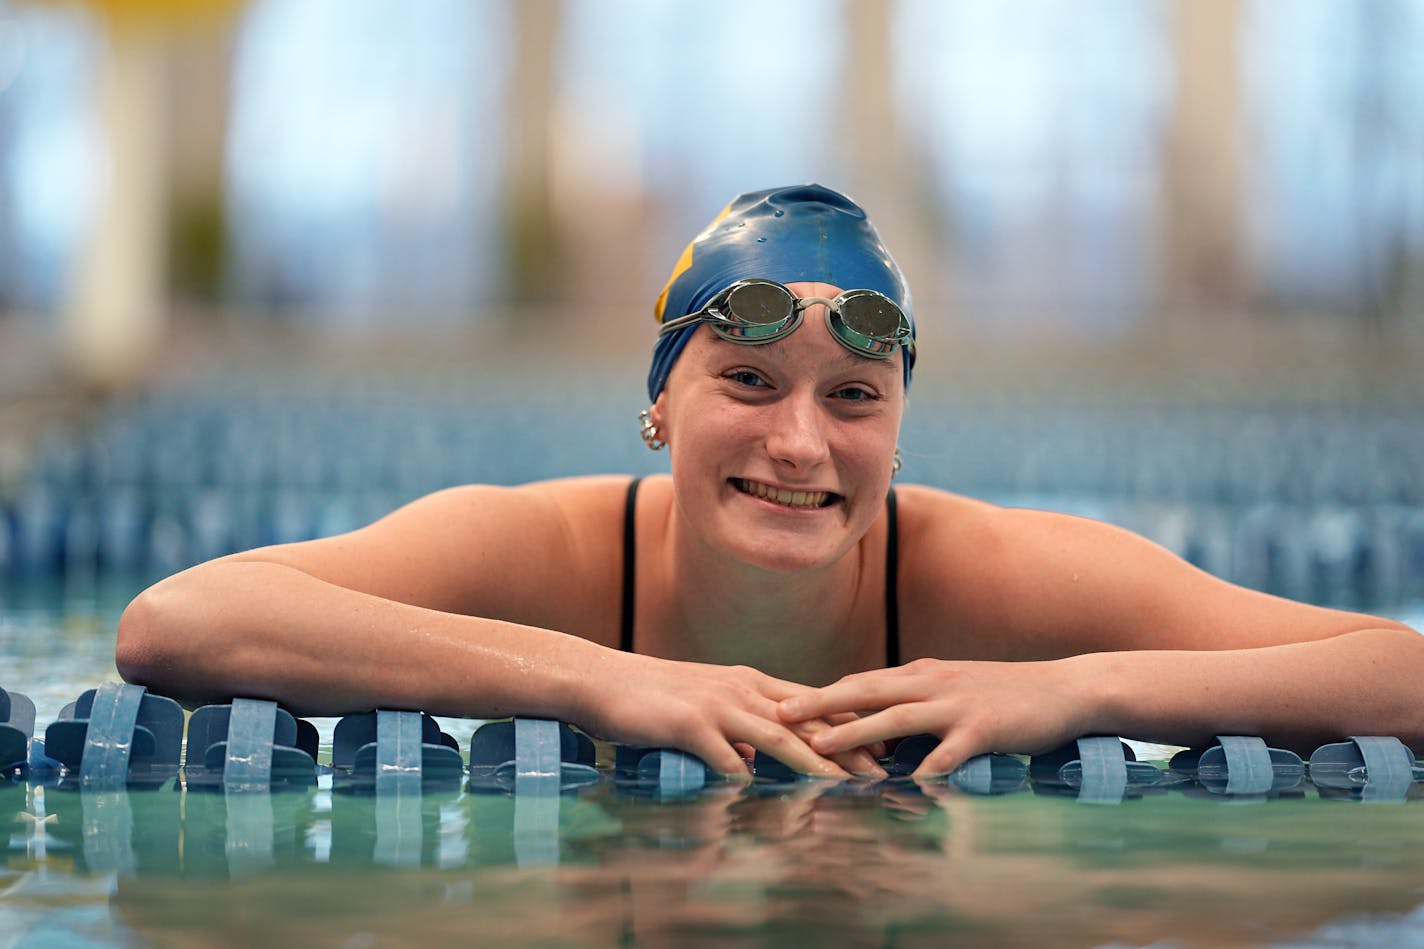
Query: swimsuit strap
x=892, y=563
x=892, y=585
x=630, y=565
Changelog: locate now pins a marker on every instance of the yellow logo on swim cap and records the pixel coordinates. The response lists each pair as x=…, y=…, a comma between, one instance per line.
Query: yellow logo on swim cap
x=684, y=264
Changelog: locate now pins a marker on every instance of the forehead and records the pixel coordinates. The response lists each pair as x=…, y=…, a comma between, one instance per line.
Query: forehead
x=808, y=288
x=810, y=347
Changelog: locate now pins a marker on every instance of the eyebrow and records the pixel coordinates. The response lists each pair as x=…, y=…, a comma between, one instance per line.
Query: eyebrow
x=847, y=360
x=850, y=360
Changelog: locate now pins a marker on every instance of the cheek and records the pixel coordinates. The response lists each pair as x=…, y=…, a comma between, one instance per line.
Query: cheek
x=702, y=444
x=692, y=448
x=875, y=454
x=876, y=440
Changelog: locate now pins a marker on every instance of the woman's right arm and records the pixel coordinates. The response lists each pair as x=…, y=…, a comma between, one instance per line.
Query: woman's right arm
x=400, y=614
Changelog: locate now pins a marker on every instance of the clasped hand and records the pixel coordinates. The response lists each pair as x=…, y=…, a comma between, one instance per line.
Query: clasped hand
x=972, y=707
x=719, y=713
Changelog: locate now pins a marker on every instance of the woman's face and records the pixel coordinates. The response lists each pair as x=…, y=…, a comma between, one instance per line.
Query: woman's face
x=781, y=453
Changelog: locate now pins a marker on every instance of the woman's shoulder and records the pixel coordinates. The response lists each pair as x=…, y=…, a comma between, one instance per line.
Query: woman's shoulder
x=573, y=500
x=535, y=553
x=927, y=511
x=953, y=545
x=581, y=515
x=980, y=580
x=952, y=529
x=588, y=508
x=962, y=562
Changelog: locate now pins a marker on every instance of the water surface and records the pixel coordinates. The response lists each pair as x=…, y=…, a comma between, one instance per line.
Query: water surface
x=893, y=864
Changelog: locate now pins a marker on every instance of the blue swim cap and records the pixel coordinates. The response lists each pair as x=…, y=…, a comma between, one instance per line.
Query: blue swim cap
x=800, y=233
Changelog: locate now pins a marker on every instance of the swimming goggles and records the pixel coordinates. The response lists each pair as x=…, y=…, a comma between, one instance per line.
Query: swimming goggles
x=752, y=312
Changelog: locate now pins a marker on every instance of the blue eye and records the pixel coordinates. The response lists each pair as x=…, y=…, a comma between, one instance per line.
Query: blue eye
x=854, y=394
x=746, y=377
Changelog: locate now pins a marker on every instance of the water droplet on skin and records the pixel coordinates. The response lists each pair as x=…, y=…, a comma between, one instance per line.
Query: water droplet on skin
x=761, y=240
x=778, y=213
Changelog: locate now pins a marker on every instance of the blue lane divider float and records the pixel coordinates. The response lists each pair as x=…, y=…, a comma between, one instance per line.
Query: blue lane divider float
x=530, y=755
x=400, y=758
x=1240, y=765
x=665, y=772
x=394, y=751
x=538, y=761
x=1101, y=769
x=17, y=727
x=767, y=767
x=1371, y=767
x=249, y=745
x=982, y=774
x=110, y=737
x=678, y=771
x=990, y=774
x=119, y=735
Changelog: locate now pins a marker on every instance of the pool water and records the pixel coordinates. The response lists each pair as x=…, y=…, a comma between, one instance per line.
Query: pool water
x=888, y=864
x=796, y=864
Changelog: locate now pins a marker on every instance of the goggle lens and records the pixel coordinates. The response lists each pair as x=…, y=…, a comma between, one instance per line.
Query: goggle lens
x=754, y=312
x=871, y=315
x=869, y=323
x=760, y=304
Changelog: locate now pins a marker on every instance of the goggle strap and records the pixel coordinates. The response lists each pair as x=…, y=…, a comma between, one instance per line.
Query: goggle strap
x=672, y=326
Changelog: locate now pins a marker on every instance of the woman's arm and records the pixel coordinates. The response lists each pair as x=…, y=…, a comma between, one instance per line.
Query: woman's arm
x=379, y=615
x=383, y=617
x=1112, y=635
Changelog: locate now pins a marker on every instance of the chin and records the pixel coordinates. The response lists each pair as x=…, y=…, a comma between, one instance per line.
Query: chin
x=786, y=561
x=788, y=551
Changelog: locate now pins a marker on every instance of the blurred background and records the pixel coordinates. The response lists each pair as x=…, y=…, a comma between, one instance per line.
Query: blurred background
x=270, y=268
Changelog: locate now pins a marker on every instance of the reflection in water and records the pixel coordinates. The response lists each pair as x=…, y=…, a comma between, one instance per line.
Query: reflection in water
x=888, y=864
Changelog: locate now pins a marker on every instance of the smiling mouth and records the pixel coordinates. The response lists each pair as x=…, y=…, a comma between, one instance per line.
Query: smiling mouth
x=803, y=500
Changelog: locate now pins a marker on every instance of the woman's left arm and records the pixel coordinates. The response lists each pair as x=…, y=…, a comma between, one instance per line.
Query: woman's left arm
x=1108, y=634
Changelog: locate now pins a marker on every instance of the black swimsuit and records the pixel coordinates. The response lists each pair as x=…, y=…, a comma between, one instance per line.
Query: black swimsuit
x=892, y=559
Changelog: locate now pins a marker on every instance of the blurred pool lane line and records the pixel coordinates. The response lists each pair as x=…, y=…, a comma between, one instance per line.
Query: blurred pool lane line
x=259, y=438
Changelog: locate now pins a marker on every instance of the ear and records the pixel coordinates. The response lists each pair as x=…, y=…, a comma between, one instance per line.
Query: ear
x=657, y=413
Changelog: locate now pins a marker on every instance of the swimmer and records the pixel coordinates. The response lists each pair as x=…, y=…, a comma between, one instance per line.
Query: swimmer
x=774, y=592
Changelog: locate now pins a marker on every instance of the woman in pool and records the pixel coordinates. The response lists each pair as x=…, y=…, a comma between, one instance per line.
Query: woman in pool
x=767, y=592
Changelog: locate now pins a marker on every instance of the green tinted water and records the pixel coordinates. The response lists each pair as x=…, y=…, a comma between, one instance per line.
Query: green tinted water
x=804, y=864
x=888, y=865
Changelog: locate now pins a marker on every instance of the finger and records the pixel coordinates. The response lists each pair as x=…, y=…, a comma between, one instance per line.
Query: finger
x=858, y=761
x=779, y=689
x=720, y=751
x=944, y=759
x=898, y=721
x=721, y=757
x=877, y=749
x=782, y=744
x=753, y=721
x=861, y=763
x=864, y=692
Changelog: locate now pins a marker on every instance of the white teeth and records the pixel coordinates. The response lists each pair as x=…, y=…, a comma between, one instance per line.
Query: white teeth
x=802, y=499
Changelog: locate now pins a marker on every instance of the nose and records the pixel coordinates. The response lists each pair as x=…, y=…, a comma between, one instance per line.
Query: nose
x=796, y=435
